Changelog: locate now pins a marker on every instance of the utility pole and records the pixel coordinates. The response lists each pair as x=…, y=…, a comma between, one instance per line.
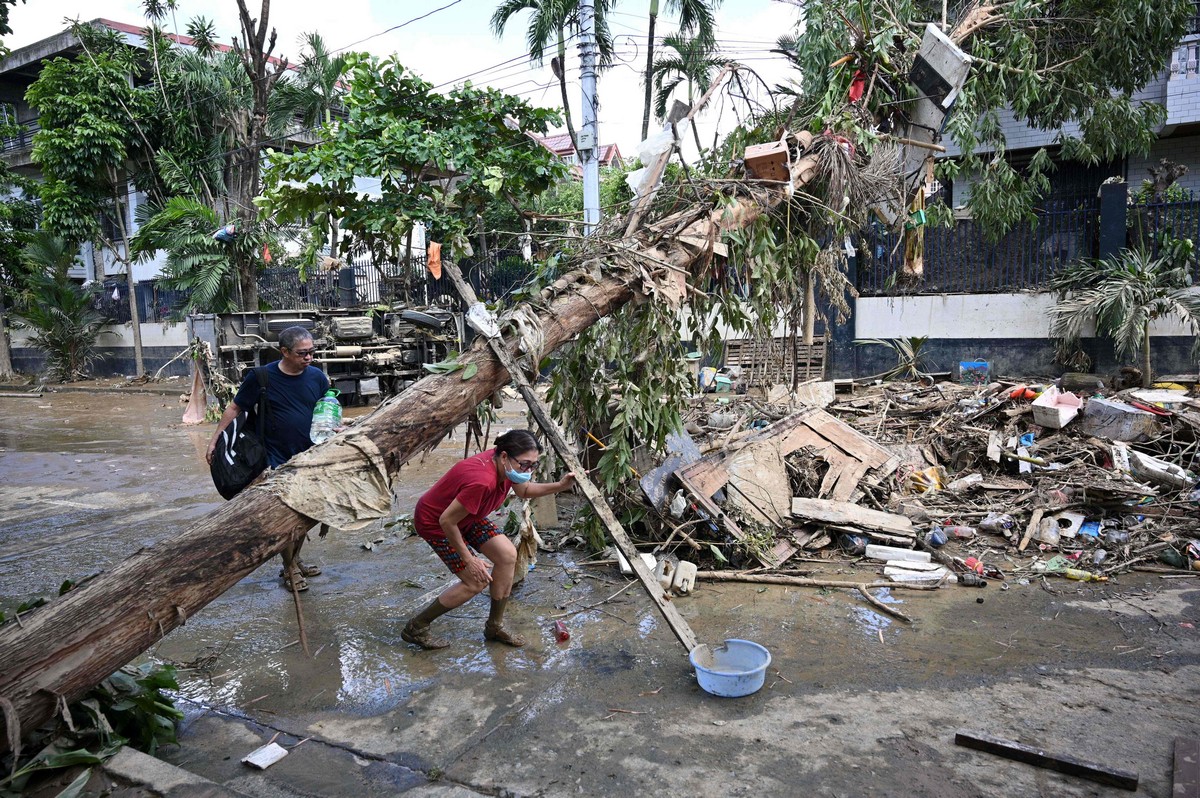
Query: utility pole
x=589, y=137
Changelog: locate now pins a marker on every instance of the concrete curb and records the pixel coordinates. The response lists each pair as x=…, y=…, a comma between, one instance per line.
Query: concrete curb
x=161, y=778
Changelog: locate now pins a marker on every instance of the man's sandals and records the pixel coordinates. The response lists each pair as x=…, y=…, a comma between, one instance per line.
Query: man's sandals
x=301, y=583
x=497, y=634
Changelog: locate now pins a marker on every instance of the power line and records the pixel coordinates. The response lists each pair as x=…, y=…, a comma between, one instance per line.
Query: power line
x=398, y=27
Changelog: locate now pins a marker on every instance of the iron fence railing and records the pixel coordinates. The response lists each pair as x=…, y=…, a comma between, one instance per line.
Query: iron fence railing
x=155, y=302
x=962, y=259
x=364, y=282
x=22, y=138
x=1153, y=224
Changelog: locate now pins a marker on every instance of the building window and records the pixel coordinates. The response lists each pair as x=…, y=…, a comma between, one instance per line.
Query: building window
x=109, y=226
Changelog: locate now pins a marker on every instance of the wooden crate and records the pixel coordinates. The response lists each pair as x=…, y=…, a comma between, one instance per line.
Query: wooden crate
x=766, y=362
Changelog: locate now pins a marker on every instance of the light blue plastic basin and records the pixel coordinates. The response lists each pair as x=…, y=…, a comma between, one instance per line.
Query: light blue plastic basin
x=734, y=669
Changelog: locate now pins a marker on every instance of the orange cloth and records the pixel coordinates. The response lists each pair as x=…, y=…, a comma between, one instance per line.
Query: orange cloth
x=434, y=262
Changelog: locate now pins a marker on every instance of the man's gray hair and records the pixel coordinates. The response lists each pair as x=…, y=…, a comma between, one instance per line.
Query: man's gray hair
x=292, y=336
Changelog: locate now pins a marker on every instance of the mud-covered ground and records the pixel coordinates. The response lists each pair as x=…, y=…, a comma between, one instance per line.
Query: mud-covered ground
x=855, y=704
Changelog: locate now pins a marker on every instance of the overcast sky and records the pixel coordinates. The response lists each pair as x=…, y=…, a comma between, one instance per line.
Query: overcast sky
x=456, y=41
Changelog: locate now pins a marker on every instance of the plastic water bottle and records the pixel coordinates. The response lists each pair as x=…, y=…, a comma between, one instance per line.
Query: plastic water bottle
x=327, y=417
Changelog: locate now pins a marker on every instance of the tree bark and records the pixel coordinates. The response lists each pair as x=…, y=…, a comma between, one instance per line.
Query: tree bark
x=1147, y=374
x=135, y=315
x=6, y=367
x=566, y=101
x=67, y=646
x=255, y=51
x=649, y=70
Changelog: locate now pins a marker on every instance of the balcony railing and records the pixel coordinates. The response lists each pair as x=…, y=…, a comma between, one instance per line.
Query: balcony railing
x=23, y=139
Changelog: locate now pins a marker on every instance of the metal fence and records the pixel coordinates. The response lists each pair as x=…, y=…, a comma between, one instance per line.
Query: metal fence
x=155, y=303
x=1152, y=223
x=365, y=282
x=963, y=259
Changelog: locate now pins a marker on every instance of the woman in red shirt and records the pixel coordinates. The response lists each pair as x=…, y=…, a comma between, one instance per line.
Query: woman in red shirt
x=452, y=518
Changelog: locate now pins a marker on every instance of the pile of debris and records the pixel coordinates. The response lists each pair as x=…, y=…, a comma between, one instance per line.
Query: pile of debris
x=943, y=482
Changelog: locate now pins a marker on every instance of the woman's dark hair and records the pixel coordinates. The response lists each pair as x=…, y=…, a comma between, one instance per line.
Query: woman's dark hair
x=517, y=441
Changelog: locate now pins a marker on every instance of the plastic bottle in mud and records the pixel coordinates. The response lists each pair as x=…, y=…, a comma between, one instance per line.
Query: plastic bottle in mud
x=561, y=633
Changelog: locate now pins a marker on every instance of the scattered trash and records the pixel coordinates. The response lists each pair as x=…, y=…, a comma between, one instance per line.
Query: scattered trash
x=262, y=758
x=561, y=633
x=1055, y=409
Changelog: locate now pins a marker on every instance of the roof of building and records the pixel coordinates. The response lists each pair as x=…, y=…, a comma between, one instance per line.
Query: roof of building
x=560, y=144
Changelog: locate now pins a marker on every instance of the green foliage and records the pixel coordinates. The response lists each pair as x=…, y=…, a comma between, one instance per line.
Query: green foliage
x=4, y=27
x=403, y=134
x=691, y=65
x=1122, y=295
x=127, y=708
x=1048, y=63
x=86, y=137
x=910, y=361
x=196, y=262
x=64, y=322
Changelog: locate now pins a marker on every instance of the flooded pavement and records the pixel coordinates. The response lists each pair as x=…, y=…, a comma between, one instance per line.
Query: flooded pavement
x=855, y=703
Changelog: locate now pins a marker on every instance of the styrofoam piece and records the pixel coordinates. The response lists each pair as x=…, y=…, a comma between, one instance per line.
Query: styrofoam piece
x=885, y=553
x=263, y=758
x=1054, y=409
x=627, y=569
x=902, y=572
x=664, y=572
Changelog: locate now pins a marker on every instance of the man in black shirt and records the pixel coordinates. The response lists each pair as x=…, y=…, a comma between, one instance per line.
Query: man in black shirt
x=293, y=388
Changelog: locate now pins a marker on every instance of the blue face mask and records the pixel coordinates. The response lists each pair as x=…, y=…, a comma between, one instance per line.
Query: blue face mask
x=518, y=477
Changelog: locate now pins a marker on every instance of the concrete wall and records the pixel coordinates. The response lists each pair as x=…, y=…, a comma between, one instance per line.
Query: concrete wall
x=1011, y=331
x=160, y=343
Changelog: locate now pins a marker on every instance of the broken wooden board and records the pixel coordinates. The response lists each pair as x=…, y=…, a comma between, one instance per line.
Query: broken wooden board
x=1186, y=779
x=759, y=484
x=831, y=512
x=854, y=459
x=1063, y=763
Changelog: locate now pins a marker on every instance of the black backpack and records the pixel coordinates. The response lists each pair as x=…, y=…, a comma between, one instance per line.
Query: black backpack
x=241, y=452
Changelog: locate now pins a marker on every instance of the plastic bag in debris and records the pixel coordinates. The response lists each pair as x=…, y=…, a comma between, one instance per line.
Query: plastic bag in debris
x=927, y=480
x=648, y=152
x=482, y=320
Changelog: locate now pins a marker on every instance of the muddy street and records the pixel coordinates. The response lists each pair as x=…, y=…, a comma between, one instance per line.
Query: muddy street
x=855, y=703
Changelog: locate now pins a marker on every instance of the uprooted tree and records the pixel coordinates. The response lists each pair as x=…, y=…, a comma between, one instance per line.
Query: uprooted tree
x=715, y=247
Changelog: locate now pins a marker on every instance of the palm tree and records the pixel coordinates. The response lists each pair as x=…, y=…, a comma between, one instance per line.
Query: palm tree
x=692, y=65
x=695, y=17
x=196, y=263
x=61, y=315
x=312, y=94
x=1123, y=295
x=548, y=23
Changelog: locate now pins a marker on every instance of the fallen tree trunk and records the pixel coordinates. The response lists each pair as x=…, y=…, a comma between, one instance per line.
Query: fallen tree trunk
x=60, y=651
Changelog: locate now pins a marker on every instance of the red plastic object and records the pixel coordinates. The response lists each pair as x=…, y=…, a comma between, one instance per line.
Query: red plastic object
x=561, y=633
x=975, y=565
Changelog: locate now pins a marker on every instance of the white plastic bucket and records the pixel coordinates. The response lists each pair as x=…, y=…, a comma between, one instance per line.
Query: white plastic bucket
x=734, y=669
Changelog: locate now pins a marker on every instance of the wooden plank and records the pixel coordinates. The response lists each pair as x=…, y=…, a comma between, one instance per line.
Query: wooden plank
x=1035, y=520
x=646, y=576
x=1063, y=763
x=836, y=512
x=1186, y=779
x=847, y=481
x=706, y=476
x=848, y=439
